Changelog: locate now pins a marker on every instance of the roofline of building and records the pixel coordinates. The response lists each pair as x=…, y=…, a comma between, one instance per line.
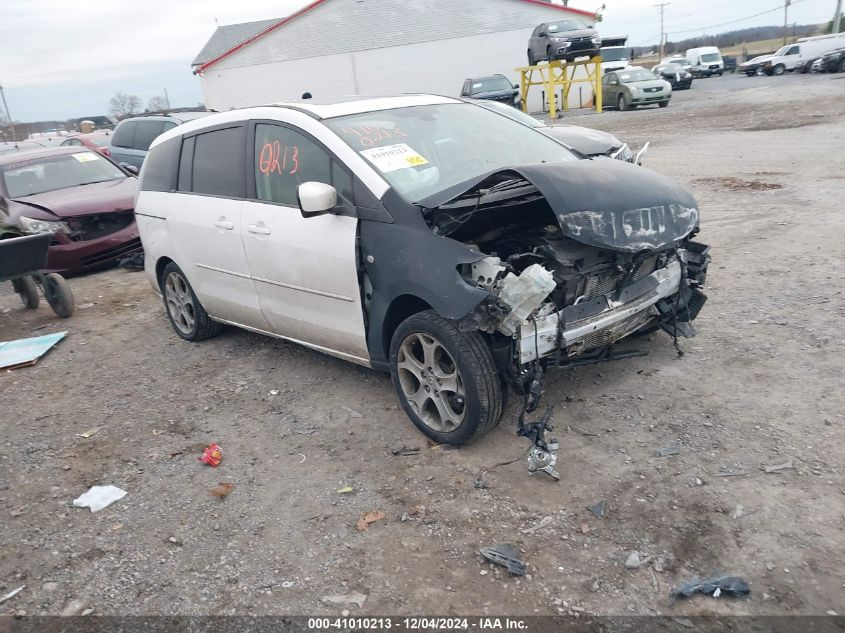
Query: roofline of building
x=313, y=5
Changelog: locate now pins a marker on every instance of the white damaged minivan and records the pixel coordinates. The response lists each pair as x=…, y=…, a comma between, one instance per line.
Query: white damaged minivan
x=455, y=248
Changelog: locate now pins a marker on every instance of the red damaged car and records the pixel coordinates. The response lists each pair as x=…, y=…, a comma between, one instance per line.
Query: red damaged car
x=79, y=196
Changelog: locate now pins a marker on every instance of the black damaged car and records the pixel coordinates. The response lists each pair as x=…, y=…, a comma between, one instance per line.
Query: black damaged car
x=675, y=75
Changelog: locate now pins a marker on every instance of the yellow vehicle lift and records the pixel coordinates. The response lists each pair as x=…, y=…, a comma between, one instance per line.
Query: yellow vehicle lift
x=559, y=74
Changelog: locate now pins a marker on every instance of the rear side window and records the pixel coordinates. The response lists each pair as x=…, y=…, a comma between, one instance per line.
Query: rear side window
x=147, y=131
x=218, y=165
x=160, y=167
x=124, y=135
x=284, y=159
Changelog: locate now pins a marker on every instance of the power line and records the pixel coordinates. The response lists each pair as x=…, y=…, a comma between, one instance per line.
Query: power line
x=713, y=26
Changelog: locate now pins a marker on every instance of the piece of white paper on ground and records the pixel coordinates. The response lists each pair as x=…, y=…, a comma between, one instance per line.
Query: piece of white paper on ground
x=99, y=497
x=26, y=351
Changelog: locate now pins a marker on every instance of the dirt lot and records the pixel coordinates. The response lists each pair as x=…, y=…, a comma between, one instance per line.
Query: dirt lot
x=761, y=385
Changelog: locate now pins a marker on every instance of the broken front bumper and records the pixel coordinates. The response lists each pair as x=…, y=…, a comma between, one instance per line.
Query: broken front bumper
x=598, y=321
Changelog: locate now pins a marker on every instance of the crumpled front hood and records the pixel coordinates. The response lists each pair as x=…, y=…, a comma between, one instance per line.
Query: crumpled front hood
x=606, y=203
x=585, y=140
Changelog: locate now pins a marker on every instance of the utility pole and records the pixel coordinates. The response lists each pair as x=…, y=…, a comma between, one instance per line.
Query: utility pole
x=662, y=34
x=8, y=114
x=785, y=17
x=837, y=17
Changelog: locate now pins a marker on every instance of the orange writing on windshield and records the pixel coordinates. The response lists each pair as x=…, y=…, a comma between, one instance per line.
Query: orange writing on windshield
x=268, y=159
x=369, y=135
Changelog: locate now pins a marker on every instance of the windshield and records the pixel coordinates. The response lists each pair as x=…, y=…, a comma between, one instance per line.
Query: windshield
x=710, y=57
x=489, y=84
x=614, y=54
x=781, y=51
x=511, y=113
x=567, y=25
x=630, y=76
x=38, y=175
x=421, y=150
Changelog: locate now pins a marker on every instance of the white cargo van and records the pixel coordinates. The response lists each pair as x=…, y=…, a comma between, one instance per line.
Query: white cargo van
x=786, y=58
x=705, y=61
x=614, y=54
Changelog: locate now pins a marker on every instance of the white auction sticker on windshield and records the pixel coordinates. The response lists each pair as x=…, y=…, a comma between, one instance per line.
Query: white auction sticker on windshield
x=85, y=157
x=392, y=157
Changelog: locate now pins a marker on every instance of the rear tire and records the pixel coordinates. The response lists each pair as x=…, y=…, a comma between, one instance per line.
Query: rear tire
x=445, y=379
x=27, y=290
x=187, y=316
x=59, y=295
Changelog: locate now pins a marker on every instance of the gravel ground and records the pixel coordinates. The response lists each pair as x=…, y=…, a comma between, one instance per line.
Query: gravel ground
x=760, y=386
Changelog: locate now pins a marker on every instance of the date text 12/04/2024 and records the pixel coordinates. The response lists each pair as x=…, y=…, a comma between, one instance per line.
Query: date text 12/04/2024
x=417, y=624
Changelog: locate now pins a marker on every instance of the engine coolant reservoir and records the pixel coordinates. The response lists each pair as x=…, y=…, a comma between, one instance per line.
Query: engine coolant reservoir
x=524, y=294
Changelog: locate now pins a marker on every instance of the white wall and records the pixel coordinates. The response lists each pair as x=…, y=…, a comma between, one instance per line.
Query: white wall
x=438, y=67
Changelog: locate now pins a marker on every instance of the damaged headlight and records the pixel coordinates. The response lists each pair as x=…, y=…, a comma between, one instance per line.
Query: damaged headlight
x=33, y=226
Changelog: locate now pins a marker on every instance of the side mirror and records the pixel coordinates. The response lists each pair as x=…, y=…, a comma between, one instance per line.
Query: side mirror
x=542, y=34
x=315, y=198
x=130, y=168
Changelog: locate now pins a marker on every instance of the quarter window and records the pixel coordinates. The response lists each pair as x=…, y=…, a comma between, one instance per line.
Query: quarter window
x=124, y=135
x=284, y=159
x=218, y=163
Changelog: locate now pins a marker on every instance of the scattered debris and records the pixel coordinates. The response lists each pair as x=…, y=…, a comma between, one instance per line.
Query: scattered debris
x=545, y=521
x=352, y=412
x=369, y=517
x=599, y=509
x=659, y=564
x=417, y=511
x=714, y=585
x=87, y=434
x=132, y=263
x=354, y=597
x=666, y=451
x=634, y=561
x=506, y=555
x=406, y=450
x=584, y=431
x=345, y=490
x=99, y=497
x=737, y=184
x=738, y=511
x=26, y=351
x=274, y=392
x=777, y=467
x=301, y=461
x=212, y=455
x=585, y=528
x=223, y=489
x=11, y=594
x=654, y=582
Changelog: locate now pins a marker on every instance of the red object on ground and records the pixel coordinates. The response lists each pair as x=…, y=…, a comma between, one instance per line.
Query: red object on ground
x=212, y=455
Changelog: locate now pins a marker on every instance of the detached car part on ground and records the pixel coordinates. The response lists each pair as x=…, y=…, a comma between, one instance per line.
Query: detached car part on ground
x=459, y=250
x=587, y=141
x=81, y=198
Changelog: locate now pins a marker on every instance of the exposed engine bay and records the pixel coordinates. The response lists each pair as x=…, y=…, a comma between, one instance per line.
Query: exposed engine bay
x=566, y=283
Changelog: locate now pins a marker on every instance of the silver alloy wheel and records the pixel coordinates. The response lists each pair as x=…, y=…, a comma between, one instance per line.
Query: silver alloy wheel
x=431, y=382
x=180, y=302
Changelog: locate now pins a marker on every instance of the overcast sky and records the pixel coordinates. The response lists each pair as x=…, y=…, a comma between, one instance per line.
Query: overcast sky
x=66, y=58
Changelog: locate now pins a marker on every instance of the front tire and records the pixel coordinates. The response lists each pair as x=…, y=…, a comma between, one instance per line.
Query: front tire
x=778, y=70
x=531, y=60
x=187, y=316
x=445, y=379
x=842, y=66
x=621, y=104
x=59, y=295
x=663, y=104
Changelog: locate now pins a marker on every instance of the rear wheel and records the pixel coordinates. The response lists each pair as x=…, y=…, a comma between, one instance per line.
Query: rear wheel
x=186, y=314
x=445, y=379
x=59, y=295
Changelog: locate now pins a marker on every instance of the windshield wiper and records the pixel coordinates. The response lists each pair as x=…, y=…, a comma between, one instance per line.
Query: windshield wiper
x=94, y=182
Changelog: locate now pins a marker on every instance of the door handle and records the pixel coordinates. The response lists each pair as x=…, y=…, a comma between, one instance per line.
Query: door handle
x=220, y=224
x=258, y=229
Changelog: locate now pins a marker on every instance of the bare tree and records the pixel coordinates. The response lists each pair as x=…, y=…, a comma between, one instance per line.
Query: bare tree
x=157, y=104
x=123, y=105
